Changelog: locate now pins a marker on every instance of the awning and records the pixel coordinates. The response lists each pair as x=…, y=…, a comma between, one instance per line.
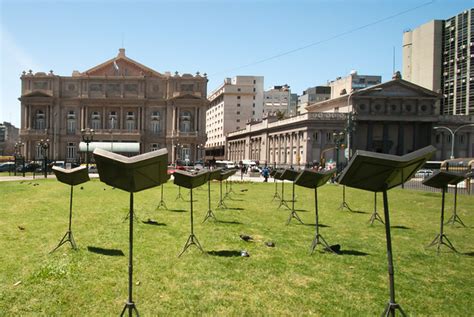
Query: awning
x=118, y=147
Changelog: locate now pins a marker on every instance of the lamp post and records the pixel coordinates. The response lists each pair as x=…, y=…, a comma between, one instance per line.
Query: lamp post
x=200, y=148
x=453, y=134
x=44, y=146
x=87, y=137
x=18, y=155
x=338, y=142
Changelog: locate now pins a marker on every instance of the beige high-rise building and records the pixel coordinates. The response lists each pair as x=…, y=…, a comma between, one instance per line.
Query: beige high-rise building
x=439, y=55
x=232, y=105
x=422, y=55
x=277, y=99
x=132, y=108
x=352, y=82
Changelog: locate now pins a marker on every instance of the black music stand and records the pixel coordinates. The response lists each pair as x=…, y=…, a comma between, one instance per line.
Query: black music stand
x=375, y=214
x=441, y=180
x=229, y=191
x=222, y=177
x=132, y=174
x=291, y=175
x=162, y=202
x=213, y=174
x=179, y=196
x=191, y=180
x=455, y=218
x=344, y=204
x=378, y=173
x=275, y=195
x=283, y=202
x=71, y=177
x=312, y=179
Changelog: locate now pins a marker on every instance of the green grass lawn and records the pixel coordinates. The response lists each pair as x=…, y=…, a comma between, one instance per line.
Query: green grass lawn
x=284, y=280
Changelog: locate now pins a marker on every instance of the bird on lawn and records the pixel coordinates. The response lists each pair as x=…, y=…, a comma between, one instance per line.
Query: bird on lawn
x=246, y=238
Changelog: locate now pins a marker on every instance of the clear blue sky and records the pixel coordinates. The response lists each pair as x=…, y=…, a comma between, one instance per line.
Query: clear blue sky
x=213, y=37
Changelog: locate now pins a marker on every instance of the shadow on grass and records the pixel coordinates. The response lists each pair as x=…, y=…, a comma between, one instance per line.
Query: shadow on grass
x=109, y=252
x=319, y=225
x=352, y=252
x=153, y=222
x=235, y=208
x=468, y=253
x=301, y=210
x=177, y=210
x=358, y=211
x=225, y=253
x=400, y=227
x=229, y=222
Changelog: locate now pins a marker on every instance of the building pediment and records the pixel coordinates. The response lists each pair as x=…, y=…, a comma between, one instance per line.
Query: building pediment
x=38, y=93
x=121, y=66
x=397, y=89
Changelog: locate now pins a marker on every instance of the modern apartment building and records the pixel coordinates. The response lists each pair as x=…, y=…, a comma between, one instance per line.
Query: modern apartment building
x=345, y=85
x=312, y=95
x=8, y=137
x=232, y=105
x=277, y=99
x=123, y=101
x=439, y=55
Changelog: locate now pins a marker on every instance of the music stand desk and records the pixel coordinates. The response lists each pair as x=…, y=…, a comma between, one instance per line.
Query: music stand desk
x=378, y=172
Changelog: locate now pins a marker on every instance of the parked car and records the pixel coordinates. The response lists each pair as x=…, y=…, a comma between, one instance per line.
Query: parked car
x=7, y=167
x=423, y=173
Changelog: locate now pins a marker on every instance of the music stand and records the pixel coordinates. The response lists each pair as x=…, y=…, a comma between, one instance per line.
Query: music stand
x=311, y=179
x=344, y=204
x=455, y=218
x=132, y=174
x=375, y=214
x=162, y=202
x=282, y=198
x=291, y=175
x=227, y=192
x=275, y=195
x=191, y=180
x=221, y=177
x=441, y=180
x=378, y=173
x=213, y=174
x=71, y=177
x=179, y=196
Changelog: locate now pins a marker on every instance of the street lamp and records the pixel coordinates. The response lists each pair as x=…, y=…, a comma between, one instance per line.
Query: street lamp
x=200, y=149
x=338, y=142
x=453, y=133
x=18, y=155
x=44, y=145
x=87, y=137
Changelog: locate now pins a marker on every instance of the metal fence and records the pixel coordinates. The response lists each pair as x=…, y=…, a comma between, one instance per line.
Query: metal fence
x=465, y=187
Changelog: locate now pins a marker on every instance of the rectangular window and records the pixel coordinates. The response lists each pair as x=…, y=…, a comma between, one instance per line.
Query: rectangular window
x=238, y=105
x=238, y=97
x=71, y=126
x=253, y=97
x=238, y=120
x=328, y=136
x=71, y=151
x=238, y=112
x=253, y=112
x=253, y=106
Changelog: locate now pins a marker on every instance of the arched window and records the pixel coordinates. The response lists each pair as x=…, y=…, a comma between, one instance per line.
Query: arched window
x=185, y=121
x=95, y=120
x=40, y=121
x=155, y=122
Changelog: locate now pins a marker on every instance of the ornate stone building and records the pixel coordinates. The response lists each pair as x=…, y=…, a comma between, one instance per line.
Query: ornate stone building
x=123, y=101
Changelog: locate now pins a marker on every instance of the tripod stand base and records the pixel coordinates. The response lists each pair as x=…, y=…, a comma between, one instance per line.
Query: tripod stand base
x=283, y=203
x=221, y=204
x=438, y=240
x=161, y=204
x=276, y=196
x=293, y=214
x=209, y=214
x=128, y=217
x=130, y=306
x=375, y=216
x=391, y=308
x=318, y=239
x=179, y=196
x=192, y=239
x=345, y=205
x=68, y=237
x=455, y=218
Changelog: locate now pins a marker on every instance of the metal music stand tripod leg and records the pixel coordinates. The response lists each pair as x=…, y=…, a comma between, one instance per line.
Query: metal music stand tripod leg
x=344, y=204
x=276, y=195
x=192, y=239
x=318, y=239
x=130, y=305
x=68, y=237
x=392, y=306
x=375, y=214
x=179, y=196
x=209, y=213
x=221, y=204
x=283, y=201
x=293, y=213
x=455, y=218
x=162, y=202
x=438, y=240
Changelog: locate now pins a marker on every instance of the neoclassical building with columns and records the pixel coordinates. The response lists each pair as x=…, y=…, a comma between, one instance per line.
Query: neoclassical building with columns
x=395, y=117
x=123, y=101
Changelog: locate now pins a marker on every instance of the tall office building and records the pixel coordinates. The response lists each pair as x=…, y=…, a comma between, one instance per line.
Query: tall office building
x=277, y=99
x=345, y=85
x=231, y=105
x=439, y=55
